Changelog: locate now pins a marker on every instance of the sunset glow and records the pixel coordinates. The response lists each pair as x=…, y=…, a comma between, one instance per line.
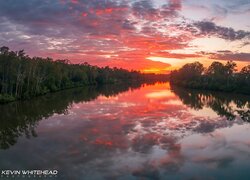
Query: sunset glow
x=125, y=89
x=153, y=36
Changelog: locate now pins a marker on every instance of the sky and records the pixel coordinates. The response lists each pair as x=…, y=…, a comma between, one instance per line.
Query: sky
x=147, y=35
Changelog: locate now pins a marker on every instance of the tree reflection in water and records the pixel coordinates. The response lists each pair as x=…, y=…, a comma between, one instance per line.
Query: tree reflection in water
x=147, y=133
x=21, y=117
x=224, y=104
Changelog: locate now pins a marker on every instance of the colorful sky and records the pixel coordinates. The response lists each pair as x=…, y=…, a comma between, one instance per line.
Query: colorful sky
x=147, y=35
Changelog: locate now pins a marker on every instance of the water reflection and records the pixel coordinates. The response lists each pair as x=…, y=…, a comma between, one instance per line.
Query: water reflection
x=224, y=104
x=21, y=118
x=153, y=132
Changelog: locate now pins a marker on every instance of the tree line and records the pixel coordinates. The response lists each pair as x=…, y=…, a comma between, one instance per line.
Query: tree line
x=23, y=77
x=217, y=77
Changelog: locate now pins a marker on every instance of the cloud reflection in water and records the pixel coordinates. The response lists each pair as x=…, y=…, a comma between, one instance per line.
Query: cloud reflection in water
x=147, y=133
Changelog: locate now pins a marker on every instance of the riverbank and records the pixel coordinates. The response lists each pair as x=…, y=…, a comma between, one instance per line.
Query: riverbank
x=23, y=77
x=5, y=98
x=204, y=87
x=217, y=77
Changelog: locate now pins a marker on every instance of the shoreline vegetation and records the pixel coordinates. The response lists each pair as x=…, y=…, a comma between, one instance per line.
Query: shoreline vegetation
x=23, y=77
x=217, y=77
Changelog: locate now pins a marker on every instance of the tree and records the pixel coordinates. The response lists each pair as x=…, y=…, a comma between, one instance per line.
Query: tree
x=216, y=70
x=244, y=76
x=192, y=70
x=230, y=67
x=188, y=75
x=4, y=50
x=216, y=77
x=246, y=70
x=22, y=77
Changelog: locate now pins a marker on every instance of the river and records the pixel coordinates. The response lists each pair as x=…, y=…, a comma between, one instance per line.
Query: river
x=118, y=132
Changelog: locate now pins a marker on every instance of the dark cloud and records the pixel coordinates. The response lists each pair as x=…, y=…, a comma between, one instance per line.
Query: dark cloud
x=227, y=55
x=224, y=51
x=52, y=27
x=171, y=9
x=207, y=28
x=245, y=44
x=231, y=56
x=104, y=31
x=144, y=9
x=62, y=18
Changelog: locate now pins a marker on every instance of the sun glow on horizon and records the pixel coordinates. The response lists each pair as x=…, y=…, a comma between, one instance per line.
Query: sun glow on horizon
x=171, y=61
x=174, y=63
x=178, y=63
x=156, y=70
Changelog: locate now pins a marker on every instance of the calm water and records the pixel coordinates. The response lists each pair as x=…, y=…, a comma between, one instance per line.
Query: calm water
x=152, y=132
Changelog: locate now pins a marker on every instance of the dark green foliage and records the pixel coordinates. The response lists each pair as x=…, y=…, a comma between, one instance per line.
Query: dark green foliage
x=6, y=98
x=217, y=77
x=23, y=77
